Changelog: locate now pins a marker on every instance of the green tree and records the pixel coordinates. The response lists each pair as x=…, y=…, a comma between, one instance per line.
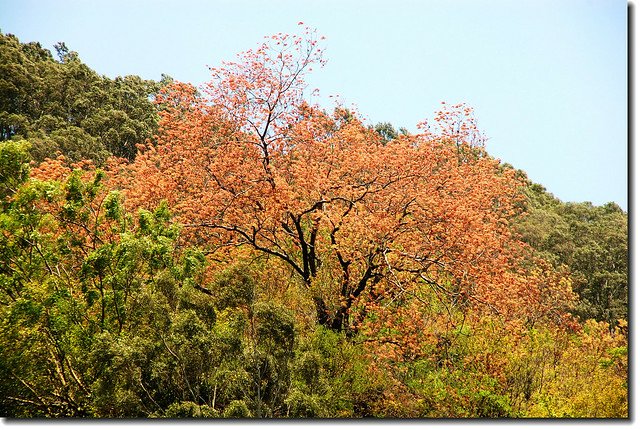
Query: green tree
x=99, y=314
x=590, y=242
x=64, y=106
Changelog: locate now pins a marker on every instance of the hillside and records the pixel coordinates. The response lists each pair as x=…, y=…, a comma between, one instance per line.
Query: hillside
x=233, y=251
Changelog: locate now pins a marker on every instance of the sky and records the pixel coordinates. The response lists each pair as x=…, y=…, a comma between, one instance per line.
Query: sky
x=547, y=78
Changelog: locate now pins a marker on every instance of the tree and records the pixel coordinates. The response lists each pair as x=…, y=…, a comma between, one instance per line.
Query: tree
x=262, y=257
x=14, y=167
x=250, y=164
x=64, y=106
x=387, y=132
x=588, y=242
x=102, y=313
x=86, y=290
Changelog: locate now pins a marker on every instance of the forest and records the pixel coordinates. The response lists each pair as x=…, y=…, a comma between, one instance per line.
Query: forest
x=234, y=251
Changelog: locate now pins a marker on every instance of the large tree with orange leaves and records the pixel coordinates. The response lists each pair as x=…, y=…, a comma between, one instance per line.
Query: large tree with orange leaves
x=248, y=162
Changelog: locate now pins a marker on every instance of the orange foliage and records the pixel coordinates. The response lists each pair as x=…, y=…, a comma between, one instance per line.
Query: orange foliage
x=249, y=163
x=54, y=169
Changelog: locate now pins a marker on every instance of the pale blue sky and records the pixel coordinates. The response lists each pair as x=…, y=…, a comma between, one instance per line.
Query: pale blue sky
x=547, y=78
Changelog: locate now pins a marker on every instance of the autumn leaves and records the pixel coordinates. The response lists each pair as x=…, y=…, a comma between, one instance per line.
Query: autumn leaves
x=248, y=163
x=263, y=256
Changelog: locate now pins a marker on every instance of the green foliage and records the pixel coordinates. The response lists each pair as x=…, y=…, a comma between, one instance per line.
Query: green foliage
x=498, y=373
x=107, y=314
x=237, y=409
x=95, y=316
x=333, y=377
x=387, y=132
x=103, y=315
x=235, y=288
x=590, y=242
x=71, y=141
x=190, y=410
x=14, y=166
x=64, y=106
x=110, y=312
x=274, y=329
x=569, y=376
